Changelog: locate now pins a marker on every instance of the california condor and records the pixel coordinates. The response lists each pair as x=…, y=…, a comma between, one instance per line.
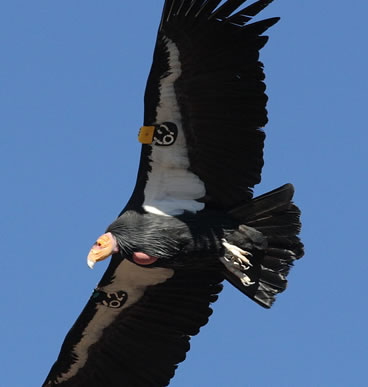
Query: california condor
x=192, y=221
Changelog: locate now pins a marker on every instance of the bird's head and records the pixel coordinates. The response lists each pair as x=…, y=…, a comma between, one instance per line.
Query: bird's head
x=105, y=245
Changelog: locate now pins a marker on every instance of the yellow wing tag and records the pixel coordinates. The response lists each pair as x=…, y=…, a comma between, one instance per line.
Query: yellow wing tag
x=145, y=135
x=158, y=135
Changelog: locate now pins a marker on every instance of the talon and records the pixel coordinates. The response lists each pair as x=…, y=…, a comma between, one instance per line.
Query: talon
x=245, y=280
x=236, y=262
x=238, y=255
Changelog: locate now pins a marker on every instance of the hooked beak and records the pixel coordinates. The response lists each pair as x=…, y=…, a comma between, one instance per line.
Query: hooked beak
x=105, y=246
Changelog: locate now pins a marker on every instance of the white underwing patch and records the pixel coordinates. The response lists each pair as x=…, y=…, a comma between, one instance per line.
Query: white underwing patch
x=171, y=188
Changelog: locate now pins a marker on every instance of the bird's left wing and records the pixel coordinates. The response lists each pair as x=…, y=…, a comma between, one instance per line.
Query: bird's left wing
x=136, y=327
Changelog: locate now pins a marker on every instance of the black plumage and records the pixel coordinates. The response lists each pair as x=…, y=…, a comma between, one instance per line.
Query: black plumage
x=191, y=215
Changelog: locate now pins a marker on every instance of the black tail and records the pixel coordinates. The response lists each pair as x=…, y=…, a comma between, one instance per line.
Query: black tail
x=269, y=230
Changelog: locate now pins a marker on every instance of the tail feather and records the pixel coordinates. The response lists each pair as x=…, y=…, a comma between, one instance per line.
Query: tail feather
x=277, y=200
x=273, y=218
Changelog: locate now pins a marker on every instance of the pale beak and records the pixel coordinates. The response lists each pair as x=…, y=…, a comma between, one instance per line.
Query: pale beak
x=105, y=246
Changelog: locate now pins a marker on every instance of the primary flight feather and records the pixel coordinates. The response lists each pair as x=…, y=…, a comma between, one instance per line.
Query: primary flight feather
x=191, y=221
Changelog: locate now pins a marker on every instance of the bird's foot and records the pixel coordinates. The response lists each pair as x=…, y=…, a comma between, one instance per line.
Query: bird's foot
x=237, y=262
x=237, y=256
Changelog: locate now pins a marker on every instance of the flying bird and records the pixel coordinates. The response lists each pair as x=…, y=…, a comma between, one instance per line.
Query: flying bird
x=192, y=221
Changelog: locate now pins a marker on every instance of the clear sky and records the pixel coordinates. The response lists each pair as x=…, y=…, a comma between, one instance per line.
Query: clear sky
x=72, y=77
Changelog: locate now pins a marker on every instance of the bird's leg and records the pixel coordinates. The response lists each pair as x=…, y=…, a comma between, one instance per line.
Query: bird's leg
x=238, y=256
x=237, y=262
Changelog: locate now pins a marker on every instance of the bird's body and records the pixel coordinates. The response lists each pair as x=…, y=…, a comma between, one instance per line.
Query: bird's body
x=191, y=221
x=174, y=239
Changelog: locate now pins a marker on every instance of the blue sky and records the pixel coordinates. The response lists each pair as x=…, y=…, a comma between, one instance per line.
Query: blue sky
x=72, y=77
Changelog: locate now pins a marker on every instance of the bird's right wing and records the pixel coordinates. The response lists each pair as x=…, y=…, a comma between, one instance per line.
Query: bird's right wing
x=136, y=327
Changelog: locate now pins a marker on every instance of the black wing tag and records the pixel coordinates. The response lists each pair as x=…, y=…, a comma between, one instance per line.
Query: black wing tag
x=165, y=134
x=161, y=135
x=113, y=300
